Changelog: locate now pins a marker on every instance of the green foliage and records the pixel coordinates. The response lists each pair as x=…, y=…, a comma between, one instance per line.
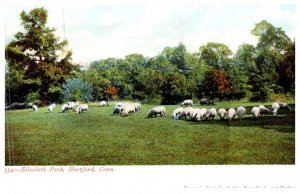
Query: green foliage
x=215, y=55
x=76, y=89
x=36, y=58
x=33, y=97
x=175, y=88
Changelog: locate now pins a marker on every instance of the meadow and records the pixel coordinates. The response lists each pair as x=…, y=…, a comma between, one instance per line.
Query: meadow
x=98, y=138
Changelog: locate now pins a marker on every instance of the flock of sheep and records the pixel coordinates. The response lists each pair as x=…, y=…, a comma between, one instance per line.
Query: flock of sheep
x=186, y=111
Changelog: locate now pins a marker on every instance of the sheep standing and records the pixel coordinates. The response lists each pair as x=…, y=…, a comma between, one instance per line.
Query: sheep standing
x=186, y=113
x=211, y=113
x=263, y=110
x=231, y=114
x=177, y=112
x=205, y=101
x=194, y=113
x=82, y=108
x=65, y=108
x=241, y=111
x=127, y=108
x=161, y=110
x=51, y=107
x=222, y=113
x=187, y=102
x=35, y=108
x=201, y=114
x=255, y=112
x=277, y=105
x=138, y=107
x=102, y=104
x=72, y=105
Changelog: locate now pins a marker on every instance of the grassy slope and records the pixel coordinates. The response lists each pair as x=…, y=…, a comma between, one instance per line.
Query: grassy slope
x=97, y=138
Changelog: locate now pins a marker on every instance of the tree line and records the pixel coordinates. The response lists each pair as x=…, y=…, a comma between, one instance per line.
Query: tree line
x=38, y=67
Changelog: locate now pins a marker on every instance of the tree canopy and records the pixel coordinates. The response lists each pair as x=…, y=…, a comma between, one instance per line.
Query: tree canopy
x=39, y=65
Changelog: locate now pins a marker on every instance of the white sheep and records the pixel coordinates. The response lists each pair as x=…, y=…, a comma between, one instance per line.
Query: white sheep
x=186, y=113
x=102, y=104
x=177, y=112
x=255, y=112
x=51, y=107
x=72, y=105
x=222, y=113
x=161, y=110
x=277, y=105
x=211, y=113
x=118, y=104
x=127, y=108
x=201, y=114
x=65, y=108
x=117, y=110
x=231, y=114
x=194, y=113
x=34, y=108
x=82, y=108
x=263, y=110
x=241, y=111
x=138, y=107
x=187, y=102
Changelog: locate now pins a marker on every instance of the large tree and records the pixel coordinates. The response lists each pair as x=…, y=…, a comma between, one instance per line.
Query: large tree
x=272, y=46
x=37, y=59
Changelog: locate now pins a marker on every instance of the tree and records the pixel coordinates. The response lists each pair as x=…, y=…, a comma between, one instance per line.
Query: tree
x=76, y=89
x=272, y=44
x=286, y=70
x=214, y=85
x=37, y=59
x=174, y=89
x=215, y=55
x=176, y=56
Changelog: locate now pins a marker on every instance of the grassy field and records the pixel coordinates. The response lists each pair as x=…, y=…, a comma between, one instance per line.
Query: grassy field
x=97, y=138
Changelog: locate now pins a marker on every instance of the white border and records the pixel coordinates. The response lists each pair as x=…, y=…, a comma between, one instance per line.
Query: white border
x=152, y=179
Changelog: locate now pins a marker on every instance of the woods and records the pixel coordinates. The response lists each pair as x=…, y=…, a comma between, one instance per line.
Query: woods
x=40, y=67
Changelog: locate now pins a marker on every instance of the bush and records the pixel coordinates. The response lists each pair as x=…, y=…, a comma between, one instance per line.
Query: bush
x=76, y=89
x=282, y=97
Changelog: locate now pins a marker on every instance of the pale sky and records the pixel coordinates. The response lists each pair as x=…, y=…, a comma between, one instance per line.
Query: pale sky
x=98, y=30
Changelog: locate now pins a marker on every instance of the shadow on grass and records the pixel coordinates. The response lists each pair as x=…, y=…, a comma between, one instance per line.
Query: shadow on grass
x=284, y=122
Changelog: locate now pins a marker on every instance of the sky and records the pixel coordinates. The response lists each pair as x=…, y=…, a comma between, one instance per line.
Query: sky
x=100, y=30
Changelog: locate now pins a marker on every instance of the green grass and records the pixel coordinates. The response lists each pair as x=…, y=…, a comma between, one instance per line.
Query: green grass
x=97, y=138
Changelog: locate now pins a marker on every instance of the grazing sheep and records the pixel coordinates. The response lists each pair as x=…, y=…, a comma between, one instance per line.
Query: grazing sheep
x=255, y=112
x=72, y=105
x=34, y=108
x=211, y=113
x=117, y=110
x=177, y=112
x=231, y=114
x=51, y=107
x=127, y=108
x=65, y=108
x=186, y=112
x=201, y=114
x=119, y=104
x=194, y=113
x=102, y=104
x=205, y=101
x=222, y=113
x=277, y=105
x=137, y=107
x=187, y=102
x=263, y=110
x=241, y=111
x=161, y=110
x=82, y=108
